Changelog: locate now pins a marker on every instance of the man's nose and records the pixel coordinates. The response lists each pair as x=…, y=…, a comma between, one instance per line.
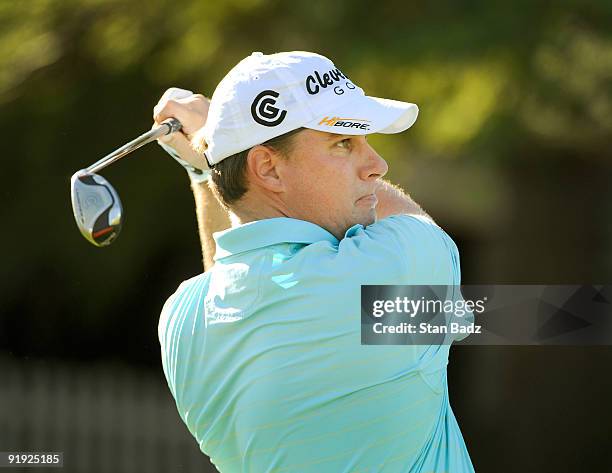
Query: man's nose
x=376, y=166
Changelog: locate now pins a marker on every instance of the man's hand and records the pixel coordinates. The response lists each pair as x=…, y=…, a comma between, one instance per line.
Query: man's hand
x=191, y=110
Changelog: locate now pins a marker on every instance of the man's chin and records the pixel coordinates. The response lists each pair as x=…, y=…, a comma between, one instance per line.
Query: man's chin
x=368, y=219
x=363, y=220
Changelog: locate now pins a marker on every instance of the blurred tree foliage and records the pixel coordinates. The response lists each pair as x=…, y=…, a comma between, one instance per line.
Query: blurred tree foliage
x=546, y=66
x=497, y=83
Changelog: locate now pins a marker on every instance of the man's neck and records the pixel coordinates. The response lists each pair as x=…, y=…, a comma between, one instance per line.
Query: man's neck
x=242, y=216
x=255, y=205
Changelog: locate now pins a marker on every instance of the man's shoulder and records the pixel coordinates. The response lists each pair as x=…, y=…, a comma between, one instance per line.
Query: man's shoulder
x=193, y=281
x=182, y=301
x=188, y=287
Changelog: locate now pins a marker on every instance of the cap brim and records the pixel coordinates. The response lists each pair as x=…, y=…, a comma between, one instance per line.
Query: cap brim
x=367, y=115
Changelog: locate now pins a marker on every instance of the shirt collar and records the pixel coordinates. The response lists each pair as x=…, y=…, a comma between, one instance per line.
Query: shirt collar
x=272, y=231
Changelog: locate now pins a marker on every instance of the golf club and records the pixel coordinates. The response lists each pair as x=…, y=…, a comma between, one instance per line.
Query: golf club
x=95, y=204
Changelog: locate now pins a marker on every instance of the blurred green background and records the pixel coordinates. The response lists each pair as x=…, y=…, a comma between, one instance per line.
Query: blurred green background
x=510, y=154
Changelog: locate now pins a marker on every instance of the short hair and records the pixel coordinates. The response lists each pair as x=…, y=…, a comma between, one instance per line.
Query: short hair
x=229, y=181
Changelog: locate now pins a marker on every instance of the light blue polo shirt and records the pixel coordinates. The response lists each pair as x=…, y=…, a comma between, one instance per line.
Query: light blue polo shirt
x=263, y=352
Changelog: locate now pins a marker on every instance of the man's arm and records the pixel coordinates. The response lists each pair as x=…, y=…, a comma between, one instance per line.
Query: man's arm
x=192, y=110
x=212, y=217
x=393, y=200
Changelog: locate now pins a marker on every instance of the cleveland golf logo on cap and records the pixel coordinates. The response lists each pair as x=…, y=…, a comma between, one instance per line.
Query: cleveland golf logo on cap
x=263, y=110
x=328, y=78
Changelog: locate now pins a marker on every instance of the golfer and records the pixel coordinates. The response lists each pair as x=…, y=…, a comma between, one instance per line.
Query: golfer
x=262, y=352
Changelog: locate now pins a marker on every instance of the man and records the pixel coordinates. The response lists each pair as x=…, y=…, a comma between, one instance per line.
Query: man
x=263, y=352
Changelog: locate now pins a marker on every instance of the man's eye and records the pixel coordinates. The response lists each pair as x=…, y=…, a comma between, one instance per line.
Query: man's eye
x=346, y=143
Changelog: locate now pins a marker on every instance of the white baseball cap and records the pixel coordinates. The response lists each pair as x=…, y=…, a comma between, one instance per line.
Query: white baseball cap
x=265, y=96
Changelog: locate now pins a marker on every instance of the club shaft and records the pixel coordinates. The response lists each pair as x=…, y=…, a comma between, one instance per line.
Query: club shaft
x=166, y=127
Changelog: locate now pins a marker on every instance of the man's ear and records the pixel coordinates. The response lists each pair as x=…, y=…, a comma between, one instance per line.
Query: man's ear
x=262, y=168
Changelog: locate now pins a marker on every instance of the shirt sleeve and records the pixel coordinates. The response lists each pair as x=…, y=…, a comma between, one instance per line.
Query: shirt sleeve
x=410, y=250
x=407, y=249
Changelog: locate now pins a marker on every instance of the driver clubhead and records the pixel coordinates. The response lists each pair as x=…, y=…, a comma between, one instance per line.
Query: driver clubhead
x=96, y=208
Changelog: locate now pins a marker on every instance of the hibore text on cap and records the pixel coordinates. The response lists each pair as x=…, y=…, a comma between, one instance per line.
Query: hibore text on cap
x=360, y=123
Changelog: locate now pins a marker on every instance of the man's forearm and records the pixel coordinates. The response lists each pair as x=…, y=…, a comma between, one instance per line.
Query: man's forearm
x=393, y=200
x=211, y=218
x=192, y=111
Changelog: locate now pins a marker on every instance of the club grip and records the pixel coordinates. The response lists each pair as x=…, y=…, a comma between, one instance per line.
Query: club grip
x=173, y=125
